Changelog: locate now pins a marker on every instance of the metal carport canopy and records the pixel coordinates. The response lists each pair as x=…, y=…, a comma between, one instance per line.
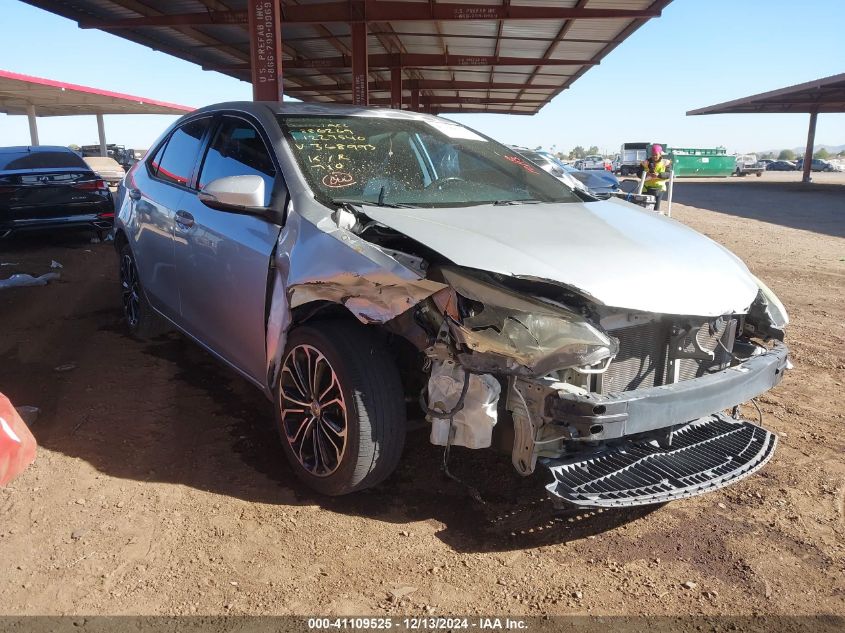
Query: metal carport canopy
x=505, y=56
x=35, y=96
x=822, y=95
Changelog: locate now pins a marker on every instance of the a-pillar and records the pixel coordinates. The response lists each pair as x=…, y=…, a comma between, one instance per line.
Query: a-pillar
x=808, y=152
x=360, y=71
x=101, y=134
x=265, y=49
x=33, y=125
x=396, y=88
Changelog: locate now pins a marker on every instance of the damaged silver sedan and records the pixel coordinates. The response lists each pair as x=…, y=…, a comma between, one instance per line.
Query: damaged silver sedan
x=362, y=265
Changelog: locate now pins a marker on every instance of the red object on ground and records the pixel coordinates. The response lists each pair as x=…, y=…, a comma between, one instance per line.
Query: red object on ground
x=17, y=445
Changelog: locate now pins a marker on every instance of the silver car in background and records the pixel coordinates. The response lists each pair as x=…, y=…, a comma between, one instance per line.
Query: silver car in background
x=349, y=261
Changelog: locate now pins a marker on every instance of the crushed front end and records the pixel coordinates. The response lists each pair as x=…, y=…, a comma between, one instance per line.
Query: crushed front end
x=623, y=408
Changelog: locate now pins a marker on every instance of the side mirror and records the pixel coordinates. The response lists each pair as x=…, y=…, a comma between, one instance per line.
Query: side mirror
x=241, y=194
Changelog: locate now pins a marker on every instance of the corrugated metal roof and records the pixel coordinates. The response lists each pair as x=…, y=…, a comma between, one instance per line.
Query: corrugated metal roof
x=821, y=95
x=225, y=47
x=56, y=98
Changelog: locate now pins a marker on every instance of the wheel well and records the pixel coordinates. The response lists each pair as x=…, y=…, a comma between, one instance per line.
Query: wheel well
x=320, y=310
x=407, y=357
x=120, y=239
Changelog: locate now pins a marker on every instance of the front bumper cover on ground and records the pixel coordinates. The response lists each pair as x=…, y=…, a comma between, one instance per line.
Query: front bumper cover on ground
x=705, y=455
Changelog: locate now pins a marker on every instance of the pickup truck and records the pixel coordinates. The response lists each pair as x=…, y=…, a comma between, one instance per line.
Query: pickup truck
x=748, y=164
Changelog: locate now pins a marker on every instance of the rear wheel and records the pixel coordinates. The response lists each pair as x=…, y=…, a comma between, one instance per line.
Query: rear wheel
x=340, y=407
x=141, y=319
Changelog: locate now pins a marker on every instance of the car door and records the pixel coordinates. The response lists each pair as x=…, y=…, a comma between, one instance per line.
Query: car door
x=223, y=258
x=155, y=194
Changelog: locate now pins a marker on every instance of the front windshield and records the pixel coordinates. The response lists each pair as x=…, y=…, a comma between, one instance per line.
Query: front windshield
x=419, y=163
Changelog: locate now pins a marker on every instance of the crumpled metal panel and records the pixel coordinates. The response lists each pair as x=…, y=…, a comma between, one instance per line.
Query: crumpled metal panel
x=515, y=334
x=617, y=254
x=318, y=261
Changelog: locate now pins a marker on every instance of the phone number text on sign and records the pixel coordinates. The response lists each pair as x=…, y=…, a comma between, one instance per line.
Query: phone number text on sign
x=264, y=41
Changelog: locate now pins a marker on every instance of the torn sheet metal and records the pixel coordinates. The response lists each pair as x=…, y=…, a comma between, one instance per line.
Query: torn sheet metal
x=316, y=260
x=473, y=424
x=767, y=316
x=514, y=334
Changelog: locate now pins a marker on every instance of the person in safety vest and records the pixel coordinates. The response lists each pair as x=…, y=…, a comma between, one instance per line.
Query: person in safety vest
x=657, y=170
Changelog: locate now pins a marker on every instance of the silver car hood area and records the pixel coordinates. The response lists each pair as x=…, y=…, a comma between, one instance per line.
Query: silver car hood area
x=611, y=252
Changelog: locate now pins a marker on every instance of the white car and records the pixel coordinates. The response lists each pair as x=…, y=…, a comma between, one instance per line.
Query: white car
x=107, y=168
x=593, y=162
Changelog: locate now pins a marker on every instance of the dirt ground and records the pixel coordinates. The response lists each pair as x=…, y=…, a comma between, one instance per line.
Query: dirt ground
x=159, y=487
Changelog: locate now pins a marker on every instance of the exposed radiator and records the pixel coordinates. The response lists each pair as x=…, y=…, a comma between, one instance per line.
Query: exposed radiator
x=643, y=358
x=709, y=337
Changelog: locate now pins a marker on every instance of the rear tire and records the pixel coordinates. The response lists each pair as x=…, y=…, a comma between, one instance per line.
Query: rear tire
x=342, y=426
x=141, y=320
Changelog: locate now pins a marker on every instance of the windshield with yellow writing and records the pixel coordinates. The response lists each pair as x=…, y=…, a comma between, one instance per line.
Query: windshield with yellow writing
x=420, y=163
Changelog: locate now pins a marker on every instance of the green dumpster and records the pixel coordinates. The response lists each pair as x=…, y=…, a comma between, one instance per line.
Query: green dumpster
x=692, y=162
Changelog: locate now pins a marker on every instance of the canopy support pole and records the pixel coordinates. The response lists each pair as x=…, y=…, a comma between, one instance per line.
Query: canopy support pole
x=101, y=134
x=33, y=125
x=265, y=50
x=360, y=71
x=415, y=99
x=396, y=88
x=808, y=153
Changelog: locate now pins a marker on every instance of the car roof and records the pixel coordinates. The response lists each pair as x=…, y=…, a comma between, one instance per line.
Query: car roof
x=17, y=149
x=285, y=108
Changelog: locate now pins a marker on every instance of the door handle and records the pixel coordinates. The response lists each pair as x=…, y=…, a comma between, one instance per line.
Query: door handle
x=184, y=219
x=135, y=194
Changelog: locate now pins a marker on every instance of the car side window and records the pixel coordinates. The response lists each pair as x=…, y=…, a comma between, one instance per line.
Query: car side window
x=237, y=149
x=181, y=151
x=154, y=160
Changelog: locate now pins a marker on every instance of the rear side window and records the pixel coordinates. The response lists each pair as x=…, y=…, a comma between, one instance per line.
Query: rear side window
x=40, y=160
x=238, y=150
x=180, y=153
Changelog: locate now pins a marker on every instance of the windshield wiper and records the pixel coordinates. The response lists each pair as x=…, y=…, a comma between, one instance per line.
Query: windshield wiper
x=354, y=202
x=501, y=203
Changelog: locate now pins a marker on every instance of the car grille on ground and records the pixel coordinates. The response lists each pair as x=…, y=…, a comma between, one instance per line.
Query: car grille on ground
x=705, y=455
x=643, y=357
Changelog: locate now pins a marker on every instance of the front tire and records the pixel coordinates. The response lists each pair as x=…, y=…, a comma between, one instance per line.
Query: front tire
x=340, y=407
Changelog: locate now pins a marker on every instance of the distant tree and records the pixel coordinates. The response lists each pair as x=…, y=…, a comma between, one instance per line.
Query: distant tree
x=768, y=155
x=786, y=154
x=74, y=147
x=822, y=153
x=577, y=152
x=841, y=154
x=593, y=150
x=538, y=148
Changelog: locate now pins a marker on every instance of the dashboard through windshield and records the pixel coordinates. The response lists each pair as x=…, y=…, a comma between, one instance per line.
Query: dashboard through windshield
x=421, y=163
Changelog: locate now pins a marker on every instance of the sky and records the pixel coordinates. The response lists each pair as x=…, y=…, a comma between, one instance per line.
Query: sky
x=697, y=53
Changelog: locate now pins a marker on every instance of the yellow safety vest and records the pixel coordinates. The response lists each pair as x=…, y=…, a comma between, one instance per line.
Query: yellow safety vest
x=660, y=167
